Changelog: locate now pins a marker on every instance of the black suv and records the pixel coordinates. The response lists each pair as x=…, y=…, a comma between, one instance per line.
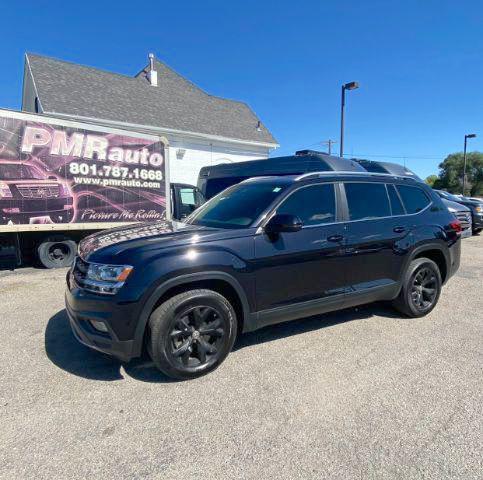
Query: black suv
x=264, y=251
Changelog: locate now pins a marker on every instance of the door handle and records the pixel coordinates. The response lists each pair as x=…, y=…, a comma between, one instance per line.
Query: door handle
x=335, y=238
x=399, y=229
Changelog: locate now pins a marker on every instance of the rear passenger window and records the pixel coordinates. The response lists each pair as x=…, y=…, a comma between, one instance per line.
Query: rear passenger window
x=414, y=198
x=396, y=205
x=367, y=200
x=313, y=205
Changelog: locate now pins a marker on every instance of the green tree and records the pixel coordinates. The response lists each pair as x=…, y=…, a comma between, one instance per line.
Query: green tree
x=451, y=174
x=431, y=179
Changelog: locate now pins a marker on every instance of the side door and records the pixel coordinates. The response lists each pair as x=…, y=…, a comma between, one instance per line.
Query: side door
x=305, y=265
x=377, y=235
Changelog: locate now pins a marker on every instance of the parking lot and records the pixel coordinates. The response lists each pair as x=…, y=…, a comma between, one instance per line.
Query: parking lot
x=362, y=394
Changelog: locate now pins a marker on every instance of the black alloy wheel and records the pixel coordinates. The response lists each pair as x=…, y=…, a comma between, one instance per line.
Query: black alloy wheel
x=191, y=333
x=197, y=336
x=420, y=290
x=424, y=289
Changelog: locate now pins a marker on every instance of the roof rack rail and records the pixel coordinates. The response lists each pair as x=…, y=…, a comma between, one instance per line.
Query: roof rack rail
x=309, y=175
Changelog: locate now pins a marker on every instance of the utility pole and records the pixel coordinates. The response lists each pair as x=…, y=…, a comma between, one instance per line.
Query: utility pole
x=329, y=143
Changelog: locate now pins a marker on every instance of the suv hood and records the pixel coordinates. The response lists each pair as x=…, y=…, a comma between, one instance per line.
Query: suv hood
x=163, y=234
x=459, y=207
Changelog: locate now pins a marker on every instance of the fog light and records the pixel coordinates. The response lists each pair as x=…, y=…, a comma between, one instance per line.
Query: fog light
x=99, y=326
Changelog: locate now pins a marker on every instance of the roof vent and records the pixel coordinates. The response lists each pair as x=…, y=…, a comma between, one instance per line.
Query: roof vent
x=152, y=74
x=309, y=152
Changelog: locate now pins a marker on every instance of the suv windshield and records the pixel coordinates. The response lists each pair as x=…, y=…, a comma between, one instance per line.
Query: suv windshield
x=19, y=171
x=449, y=196
x=238, y=206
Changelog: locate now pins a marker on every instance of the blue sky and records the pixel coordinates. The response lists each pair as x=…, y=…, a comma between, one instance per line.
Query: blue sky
x=419, y=63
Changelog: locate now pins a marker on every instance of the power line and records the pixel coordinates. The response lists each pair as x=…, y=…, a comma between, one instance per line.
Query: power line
x=379, y=155
x=329, y=143
x=418, y=157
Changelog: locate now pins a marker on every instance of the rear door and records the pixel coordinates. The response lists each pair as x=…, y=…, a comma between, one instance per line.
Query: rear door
x=377, y=235
x=304, y=265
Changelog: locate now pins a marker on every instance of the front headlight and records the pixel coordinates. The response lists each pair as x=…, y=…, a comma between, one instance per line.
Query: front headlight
x=107, y=279
x=5, y=191
x=65, y=190
x=452, y=210
x=479, y=209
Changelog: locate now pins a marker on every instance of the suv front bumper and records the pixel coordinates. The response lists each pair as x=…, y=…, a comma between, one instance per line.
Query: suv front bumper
x=85, y=310
x=477, y=220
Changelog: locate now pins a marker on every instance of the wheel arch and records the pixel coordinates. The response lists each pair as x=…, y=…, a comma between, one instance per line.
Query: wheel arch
x=221, y=282
x=436, y=253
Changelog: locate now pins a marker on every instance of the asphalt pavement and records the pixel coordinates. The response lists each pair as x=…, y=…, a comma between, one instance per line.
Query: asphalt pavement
x=358, y=394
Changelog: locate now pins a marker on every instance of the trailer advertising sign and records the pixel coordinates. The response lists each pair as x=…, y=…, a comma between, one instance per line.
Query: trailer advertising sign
x=54, y=173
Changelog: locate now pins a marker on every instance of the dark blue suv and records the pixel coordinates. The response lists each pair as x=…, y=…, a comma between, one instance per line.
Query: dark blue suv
x=264, y=251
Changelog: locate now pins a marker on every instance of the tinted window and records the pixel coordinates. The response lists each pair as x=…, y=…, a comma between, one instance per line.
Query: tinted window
x=19, y=171
x=190, y=200
x=313, y=205
x=238, y=206
x=216, y=185
x=367, y=200
x=414, y=198
x=396, y=205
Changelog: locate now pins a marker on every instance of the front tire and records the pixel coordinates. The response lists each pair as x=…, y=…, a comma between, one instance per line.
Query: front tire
x=420, y=290
x=191, y=333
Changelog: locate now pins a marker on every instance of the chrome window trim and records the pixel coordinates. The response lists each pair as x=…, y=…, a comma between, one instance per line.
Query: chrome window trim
x=264, y=219
x=306, y=176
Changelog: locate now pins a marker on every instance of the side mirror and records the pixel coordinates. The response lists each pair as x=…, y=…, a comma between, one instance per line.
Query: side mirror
x=283, y=223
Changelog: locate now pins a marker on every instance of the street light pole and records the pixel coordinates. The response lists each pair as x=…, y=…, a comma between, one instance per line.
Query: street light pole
x=470, y=135
x=347, y=86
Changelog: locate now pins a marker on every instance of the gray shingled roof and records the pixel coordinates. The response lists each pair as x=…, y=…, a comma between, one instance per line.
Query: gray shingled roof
x=176, y=103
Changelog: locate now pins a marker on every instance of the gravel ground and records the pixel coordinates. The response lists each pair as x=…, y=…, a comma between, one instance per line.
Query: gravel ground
x=356, y=394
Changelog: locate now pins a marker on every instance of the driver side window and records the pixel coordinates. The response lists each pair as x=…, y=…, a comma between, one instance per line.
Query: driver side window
x=314, y=204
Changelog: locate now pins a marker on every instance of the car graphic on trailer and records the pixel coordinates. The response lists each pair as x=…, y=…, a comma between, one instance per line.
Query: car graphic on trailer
x=27, y=192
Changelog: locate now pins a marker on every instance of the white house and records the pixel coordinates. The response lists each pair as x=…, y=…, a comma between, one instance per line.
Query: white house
x=202, y=129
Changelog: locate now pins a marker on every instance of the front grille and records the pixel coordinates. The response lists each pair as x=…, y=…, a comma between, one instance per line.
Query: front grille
x=464, y=218
x=39, y=191
x=79, y=272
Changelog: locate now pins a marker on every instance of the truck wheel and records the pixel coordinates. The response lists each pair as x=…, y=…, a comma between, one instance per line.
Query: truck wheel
x=476, y=231
x=420, y=290
x=56, y=252
x=191, y=333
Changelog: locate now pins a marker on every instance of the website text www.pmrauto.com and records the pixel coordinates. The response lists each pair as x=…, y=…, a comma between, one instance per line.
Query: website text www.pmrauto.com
x=115, y=182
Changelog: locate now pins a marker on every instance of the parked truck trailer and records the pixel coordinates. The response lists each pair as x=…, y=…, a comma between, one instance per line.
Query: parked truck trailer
x=61, y=180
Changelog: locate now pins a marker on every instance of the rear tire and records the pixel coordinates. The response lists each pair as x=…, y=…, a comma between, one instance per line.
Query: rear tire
x=191, y=333
x=420, y=290
x=55, y=252
x=476, y=231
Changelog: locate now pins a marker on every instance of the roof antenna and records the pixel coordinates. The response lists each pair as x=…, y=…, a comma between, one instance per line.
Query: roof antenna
x=152, y=74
